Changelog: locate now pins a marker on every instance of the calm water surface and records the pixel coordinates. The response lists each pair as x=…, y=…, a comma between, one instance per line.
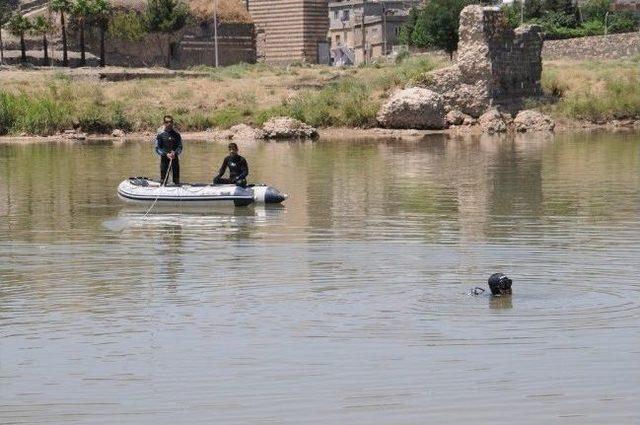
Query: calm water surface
x=347, y=306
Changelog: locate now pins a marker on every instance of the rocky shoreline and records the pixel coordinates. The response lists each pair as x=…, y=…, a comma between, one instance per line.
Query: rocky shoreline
x=331, y=133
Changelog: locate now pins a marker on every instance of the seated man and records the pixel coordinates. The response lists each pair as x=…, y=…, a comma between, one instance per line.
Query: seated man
x=238, y=168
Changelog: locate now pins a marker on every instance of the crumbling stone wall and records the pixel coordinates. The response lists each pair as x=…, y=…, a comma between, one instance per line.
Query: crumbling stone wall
x=515, y=56
x=612, y=46
x=496, y=65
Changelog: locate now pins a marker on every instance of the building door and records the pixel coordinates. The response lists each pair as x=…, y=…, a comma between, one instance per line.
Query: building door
x=324, y=54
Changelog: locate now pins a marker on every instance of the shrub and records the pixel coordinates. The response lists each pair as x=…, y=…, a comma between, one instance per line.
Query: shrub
x=33, y=114
x=8, y=112
x=227, y=117
x=98, y=118
x=611, y=97
x=623, y=22
x=553, y=85
x=128, y=25
x=402, y=57
x=343, y=103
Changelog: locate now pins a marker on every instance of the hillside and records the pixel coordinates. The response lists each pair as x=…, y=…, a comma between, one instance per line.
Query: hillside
x=228, y=10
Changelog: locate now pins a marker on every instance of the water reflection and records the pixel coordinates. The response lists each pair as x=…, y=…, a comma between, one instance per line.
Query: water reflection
x=501, y=303
x=347, y=305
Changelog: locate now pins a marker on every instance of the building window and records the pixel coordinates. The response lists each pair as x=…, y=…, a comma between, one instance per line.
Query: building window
x=337, y=40
x=335, y=15
x=345, y=15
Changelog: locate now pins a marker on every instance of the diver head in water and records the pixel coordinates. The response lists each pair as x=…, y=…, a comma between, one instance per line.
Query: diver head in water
x=500, y=284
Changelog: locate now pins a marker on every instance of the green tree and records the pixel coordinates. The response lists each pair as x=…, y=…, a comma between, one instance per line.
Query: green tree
x=437, y=25
x=563, y=6
x=62, y=7
x=167, y=17
x=623, y=22
x=18, y=25
x=82, y=11
x=41, y=26
x=407, y=29
x=100, y=12
x=5, y=15
x=515, y=12
x=128, y=26
x=596, y=10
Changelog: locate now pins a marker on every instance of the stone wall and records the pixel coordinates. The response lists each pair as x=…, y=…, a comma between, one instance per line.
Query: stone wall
x=236, y=43
x=495, y=64
x=514, y=56
x=194, y=45
x=614, y=46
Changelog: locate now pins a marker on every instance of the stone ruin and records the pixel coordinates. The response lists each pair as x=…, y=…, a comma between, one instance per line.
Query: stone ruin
x=496, y=66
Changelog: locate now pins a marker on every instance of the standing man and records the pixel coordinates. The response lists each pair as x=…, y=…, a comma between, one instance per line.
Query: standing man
x=238, y=168
x=169, y=146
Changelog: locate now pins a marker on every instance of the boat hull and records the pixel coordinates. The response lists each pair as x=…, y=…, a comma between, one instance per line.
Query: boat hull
x=142, y=191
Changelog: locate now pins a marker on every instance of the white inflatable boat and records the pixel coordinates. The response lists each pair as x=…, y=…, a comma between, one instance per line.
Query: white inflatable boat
x=141, y=190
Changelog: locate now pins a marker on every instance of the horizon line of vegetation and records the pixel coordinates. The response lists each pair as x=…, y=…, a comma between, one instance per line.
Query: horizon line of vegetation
x=159, y=16
x=435, y=24
x=590, y=90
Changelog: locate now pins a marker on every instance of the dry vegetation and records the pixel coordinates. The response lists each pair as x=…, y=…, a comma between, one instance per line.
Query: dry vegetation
x=44, y=102
x=596, y=91
x=36, y=102
x=228, y=10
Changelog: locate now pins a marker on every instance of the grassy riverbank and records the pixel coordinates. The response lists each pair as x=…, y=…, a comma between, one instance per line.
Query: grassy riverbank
x=37, y=102
x=596, y=91
x=45, y=102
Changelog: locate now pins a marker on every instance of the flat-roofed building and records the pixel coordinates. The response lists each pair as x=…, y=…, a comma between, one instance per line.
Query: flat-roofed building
x=381, y=20
x=290, y=30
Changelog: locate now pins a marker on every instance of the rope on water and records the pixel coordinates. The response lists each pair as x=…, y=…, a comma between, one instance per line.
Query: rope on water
x=163, y=183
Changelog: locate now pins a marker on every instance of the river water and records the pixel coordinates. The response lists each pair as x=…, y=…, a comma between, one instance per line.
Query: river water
x=349, y=305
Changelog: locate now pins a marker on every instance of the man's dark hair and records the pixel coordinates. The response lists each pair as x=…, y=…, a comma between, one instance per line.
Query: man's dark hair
x=233, y=146
x=167, y=118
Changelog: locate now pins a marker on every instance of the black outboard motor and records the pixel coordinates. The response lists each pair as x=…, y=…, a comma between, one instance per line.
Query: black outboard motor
x=273, y=196
x=500, y=284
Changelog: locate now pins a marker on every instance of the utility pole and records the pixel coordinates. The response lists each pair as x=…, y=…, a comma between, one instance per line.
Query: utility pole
x=215, y=30
x=364, y=36
x=384, y=30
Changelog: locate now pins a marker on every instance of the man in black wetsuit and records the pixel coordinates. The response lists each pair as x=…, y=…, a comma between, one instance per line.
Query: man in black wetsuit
x=238, y=168
x=169, y=146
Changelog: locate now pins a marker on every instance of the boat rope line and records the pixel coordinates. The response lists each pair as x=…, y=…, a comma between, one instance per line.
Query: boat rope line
x=163, y=183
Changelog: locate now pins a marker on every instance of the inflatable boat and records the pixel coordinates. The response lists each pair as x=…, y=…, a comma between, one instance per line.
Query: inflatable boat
x=141, y=190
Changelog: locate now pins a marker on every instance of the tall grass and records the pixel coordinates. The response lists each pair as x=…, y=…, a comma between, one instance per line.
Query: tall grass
x=332, y=97
x=353, y=100
x=347, y=102
x=40, y=114
x=598, y=93
x=55, y=109
x=237, y=71
x=618, y=99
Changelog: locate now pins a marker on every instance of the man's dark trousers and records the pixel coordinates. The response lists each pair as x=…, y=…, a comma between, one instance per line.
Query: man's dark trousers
x=175, y=169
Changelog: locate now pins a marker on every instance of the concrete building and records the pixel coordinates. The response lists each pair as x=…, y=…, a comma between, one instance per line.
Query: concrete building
x=290, y=30
x=381, y=20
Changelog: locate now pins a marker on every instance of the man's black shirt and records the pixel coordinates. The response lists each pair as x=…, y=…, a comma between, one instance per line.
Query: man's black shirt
x=167, y=141
x=238, y=167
